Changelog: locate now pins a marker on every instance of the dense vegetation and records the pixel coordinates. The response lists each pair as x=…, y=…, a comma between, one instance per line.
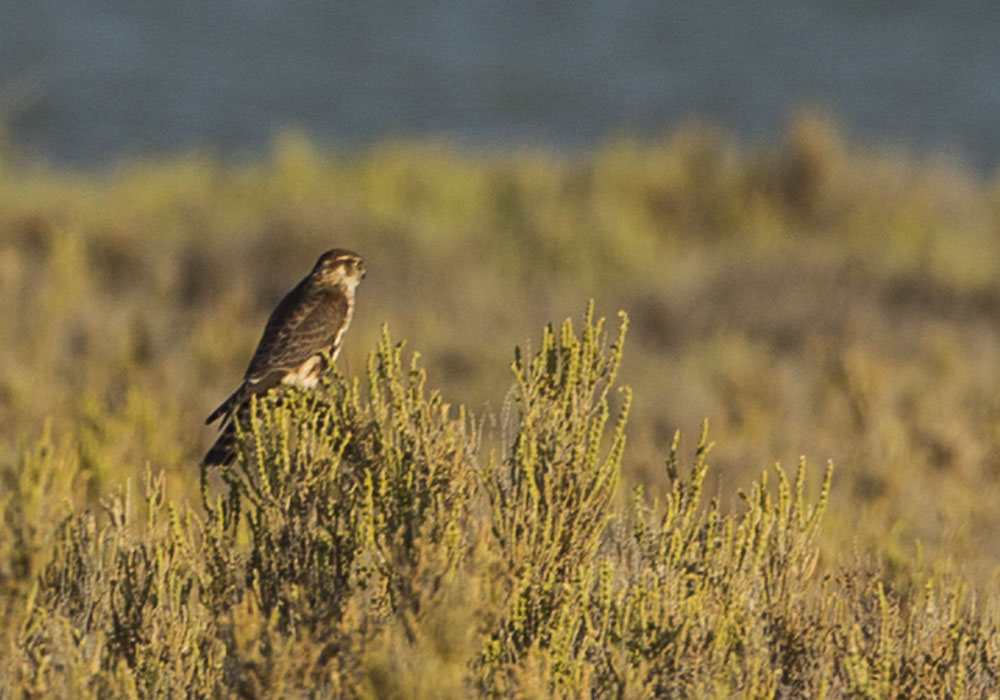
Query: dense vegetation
x=554, y=537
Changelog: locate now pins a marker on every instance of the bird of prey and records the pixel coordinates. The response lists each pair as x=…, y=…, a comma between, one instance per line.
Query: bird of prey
x=305, y=329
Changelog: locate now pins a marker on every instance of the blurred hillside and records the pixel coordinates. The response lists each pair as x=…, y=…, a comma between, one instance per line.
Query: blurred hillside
x=806, y=297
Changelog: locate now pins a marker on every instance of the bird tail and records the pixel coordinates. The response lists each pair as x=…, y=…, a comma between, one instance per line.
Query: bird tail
x=235, y=407
x=223, y=452
x=228, y=405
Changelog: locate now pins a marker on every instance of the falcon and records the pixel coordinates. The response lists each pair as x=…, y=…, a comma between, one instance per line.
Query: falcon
x=302, y=334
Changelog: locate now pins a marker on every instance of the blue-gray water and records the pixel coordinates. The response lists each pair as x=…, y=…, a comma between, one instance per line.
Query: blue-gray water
x=91, y=81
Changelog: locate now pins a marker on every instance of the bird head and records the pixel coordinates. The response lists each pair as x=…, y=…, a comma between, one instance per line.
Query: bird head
x=339, y=266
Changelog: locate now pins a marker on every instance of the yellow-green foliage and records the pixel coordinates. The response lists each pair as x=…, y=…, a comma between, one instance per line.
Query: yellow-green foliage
x=811, y=297
x=358, y=529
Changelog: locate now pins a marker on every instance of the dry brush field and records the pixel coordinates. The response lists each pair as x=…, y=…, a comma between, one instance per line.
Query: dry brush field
x=501, y=506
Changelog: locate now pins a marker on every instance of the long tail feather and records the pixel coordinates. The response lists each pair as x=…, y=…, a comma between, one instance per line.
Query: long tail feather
x=223, y=452
x=229, y=405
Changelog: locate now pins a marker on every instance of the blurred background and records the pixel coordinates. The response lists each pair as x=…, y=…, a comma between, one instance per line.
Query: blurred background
x=796, y=203
x=88, y=83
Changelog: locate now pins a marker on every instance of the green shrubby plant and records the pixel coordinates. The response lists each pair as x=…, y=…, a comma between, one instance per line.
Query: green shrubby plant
x=345, y=491
x=552, y=491
x=362, y=546
x=116, y=611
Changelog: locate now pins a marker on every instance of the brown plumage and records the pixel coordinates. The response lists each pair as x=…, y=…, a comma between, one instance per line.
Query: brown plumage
x=307, y=324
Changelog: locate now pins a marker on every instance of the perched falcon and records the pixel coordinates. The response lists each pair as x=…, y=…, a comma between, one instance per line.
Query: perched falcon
x=306, y=328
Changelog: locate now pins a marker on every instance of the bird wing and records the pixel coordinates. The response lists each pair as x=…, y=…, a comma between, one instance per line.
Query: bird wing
x=306, y=322
x=294, y=334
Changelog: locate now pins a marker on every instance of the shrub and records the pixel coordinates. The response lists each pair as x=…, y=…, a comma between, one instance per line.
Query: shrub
x=361, y=546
